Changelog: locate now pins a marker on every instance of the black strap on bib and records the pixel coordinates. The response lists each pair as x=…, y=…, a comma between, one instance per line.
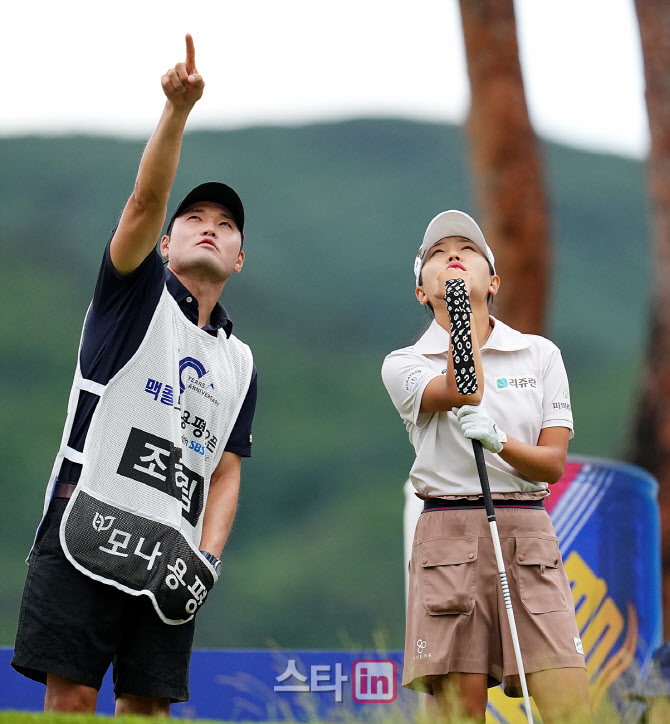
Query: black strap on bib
x=459, y=309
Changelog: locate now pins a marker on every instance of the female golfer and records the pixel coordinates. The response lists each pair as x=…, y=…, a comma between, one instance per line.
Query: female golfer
x=458, y=642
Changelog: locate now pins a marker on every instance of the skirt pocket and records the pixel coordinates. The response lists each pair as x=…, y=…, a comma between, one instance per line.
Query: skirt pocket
x=448, y=567
x=542, y=579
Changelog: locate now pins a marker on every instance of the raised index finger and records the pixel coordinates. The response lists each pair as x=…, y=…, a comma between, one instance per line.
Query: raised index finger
x=190, y=54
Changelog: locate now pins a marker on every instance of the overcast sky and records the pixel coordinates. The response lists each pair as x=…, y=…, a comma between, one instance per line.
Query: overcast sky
x=91, y=67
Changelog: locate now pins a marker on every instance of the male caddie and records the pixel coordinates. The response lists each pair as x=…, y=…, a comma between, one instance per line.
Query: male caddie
x=144, y=487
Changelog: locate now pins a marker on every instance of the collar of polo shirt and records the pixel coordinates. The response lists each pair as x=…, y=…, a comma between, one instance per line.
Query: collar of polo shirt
x=435, y=339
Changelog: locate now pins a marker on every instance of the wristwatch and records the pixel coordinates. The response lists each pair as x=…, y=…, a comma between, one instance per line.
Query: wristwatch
x=213, y=560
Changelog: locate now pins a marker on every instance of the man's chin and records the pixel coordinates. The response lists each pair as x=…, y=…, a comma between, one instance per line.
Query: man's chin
x=201, y=268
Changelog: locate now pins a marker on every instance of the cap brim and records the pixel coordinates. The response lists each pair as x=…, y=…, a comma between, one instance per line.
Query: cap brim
x=453, y=223
x=217, y=193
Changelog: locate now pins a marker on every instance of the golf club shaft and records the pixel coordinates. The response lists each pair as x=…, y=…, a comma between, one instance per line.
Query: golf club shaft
x=490, y=514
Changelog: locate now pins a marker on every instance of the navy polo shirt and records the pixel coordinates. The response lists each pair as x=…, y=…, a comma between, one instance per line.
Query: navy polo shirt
x=115, y=326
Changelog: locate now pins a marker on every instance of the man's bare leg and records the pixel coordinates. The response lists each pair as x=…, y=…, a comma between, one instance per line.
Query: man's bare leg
x=142, y=705
x=67, y=695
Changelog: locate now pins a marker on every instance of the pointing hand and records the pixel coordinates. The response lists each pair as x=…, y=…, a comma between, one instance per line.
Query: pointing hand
x=183, y=85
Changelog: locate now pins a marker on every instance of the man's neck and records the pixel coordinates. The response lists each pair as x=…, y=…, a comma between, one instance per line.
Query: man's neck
x=205, y=291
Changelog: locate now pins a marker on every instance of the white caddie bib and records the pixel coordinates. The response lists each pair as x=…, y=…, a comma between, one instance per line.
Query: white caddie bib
x=157, y=433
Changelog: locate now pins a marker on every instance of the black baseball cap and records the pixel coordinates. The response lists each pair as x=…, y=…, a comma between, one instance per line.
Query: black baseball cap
x=219, y=194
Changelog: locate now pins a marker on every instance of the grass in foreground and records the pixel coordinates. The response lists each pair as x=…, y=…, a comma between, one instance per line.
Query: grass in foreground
x=15, y=717
x=659, y=713
x=20, y=717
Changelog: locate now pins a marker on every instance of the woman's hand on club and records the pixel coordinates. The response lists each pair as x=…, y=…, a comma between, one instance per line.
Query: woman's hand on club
x=478, y=425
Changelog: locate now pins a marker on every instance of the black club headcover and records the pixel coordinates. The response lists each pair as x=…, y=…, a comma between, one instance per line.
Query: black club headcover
x=458, y=307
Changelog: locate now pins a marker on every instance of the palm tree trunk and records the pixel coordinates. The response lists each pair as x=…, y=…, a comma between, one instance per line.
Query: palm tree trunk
x=651, y=436
x=506, y=163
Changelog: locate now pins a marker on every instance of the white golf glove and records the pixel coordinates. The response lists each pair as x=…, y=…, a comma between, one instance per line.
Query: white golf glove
x=477, y=425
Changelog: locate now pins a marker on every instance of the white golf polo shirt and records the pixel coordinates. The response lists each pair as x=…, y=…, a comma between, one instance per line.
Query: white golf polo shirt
x=525, y=390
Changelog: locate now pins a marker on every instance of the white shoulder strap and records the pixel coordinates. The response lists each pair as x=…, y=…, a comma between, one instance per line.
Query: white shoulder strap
x=89, y=386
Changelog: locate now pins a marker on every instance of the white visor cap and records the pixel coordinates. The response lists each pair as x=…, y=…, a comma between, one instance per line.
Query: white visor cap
x=451, y=223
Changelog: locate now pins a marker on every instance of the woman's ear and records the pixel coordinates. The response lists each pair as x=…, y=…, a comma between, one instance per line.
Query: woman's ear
x=494, y=286
x=422, y=296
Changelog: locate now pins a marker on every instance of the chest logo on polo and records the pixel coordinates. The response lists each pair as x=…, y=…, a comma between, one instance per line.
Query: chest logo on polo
x=194, y=382
x=194, y=364
x=515, y=383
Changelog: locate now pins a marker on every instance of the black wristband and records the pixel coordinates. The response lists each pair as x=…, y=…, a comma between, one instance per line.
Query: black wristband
x=459, y=310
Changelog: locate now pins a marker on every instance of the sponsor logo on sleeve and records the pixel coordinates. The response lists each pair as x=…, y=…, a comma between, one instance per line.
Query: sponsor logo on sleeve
x=412, y=379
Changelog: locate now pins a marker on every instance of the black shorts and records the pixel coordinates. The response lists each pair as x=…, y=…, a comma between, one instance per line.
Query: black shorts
x=74, y=626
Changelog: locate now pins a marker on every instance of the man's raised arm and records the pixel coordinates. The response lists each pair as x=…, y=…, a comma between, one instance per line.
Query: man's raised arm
x=145, y=211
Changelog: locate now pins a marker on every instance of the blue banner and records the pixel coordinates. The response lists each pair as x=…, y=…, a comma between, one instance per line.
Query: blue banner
x=262, y=685
x=607, y=521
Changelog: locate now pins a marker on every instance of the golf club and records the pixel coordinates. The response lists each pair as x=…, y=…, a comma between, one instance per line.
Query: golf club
x=458, y=306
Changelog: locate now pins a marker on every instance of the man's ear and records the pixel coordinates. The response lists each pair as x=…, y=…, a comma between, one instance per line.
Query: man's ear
x=165, y=246
x=239, y=263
